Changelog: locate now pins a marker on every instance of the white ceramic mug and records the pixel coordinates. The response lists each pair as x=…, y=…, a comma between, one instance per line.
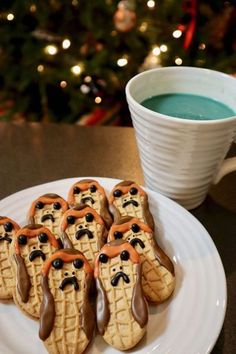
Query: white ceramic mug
x=181, y=158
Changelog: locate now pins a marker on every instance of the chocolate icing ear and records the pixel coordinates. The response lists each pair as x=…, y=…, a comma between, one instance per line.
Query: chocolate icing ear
x=66, y=240
x=115, y=212
x=138, y=304
x=105, y=213
x=147, y=214
x=22, y=278
x=31, y=220
x=124, y=219
x=47, y=310
x=162, y=258
x=102, y=309
x=87, y=314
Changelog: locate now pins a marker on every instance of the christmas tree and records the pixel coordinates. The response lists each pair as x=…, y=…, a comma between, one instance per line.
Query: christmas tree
x=69, y=61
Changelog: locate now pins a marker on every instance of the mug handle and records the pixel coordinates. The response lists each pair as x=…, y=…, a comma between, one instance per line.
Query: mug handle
x=228, y=165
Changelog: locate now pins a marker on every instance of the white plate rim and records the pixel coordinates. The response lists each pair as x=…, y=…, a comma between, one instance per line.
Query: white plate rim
x=171, y=205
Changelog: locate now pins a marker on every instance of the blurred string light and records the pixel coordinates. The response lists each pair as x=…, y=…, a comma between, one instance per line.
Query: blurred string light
x=33, y=8
x=177, y=34
x=76, y=69
x=178, y=61
x=10, y=17
x=151, y=4
x=63, y=84
x=40, y=68
x=156, y=50
x=66, y=43
x=122, y=61
x=51, y=49
x=84, y=89
x=202, y=46
x=143, y=27
x=98, y=99
x=87, y=79
x=163, y=48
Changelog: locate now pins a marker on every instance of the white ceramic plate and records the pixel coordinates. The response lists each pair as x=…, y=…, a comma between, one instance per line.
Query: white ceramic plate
x=189, y=323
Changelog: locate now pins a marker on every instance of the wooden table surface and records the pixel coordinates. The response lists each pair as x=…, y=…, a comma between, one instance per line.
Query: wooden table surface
x=32, y=154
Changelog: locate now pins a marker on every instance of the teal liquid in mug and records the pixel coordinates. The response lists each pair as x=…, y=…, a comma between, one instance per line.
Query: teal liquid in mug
x=188, y=106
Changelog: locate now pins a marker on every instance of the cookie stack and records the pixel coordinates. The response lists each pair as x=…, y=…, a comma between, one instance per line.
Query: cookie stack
x=90, y=260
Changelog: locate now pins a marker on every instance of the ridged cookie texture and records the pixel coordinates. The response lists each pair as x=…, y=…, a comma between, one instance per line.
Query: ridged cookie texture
x=83, y=229
x=121, y=309
x=90, y=192
x=33, y=245
x=158, y=276
x=127, y=198
x=8, y=229
x=66, y=317
x=47, y=210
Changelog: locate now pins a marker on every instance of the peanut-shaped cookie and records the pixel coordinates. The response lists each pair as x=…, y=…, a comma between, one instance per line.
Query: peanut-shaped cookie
x=158, y=276
x=121, y=308
x=66, y=316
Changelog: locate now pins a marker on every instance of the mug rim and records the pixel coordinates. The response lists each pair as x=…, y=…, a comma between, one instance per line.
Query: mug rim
x=144, y=110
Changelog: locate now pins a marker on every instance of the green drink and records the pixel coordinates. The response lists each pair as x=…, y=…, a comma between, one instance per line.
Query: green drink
x=188, y=106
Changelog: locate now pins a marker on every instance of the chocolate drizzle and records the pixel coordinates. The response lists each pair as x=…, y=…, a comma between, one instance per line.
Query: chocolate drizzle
x=47, y=311
x=36, y=253
x=6, y=238
x=131, y=201
x=83, y=232
x=87, y=199
x=47, y=217
x=22, y=277
x=136, y=241
x=138, y=305
x=117, y=276
x=70, y=280
x=102, y=308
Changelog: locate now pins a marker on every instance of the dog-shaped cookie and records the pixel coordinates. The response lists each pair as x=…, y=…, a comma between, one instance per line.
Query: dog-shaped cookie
x=47, y=210
x=32, y=246
x=158, y=276
x=128, y=198
x=66, y=317
x=90, y=192
x=83, y=229
x=8, y=229
x=121, y=308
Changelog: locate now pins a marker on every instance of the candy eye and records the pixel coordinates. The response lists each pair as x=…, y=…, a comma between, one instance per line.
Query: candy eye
x=43, y=237
x=76, y=190
x=57, y=263
x=71, y=219
x=135, y=228
x=133, y=191
x=89, y=217
x=57, y=206
x=93, y=188
x=22, y=240
x=39, y=205
x=124, y=255
x=118, y=235
x=117, y=193
x=103, y=258
x=8, y=226
x=78, y=263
